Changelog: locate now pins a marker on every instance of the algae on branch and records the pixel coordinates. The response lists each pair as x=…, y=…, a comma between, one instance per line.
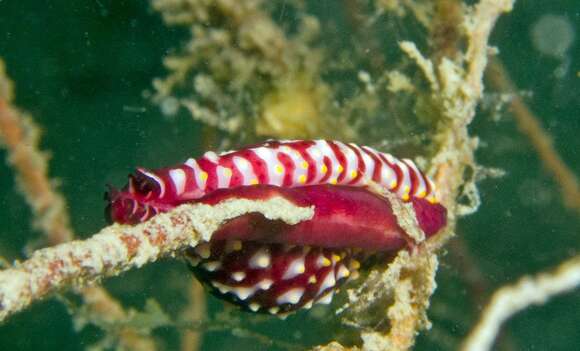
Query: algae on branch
x=254, y=74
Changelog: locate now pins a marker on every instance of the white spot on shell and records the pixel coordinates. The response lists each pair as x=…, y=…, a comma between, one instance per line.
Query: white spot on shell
x=178, y=179
x=322, y=261
x=244, y=292
x=223, y=176
x=326, y=299
x=199, y=176
x=296, y=267
x=260, y=259
x=291, y=296
x=224, y=289
x=211, y=156
x=238, y=276
x=254, y=307
x=265, y=284
x=343, y=272
x=328, y=282
x=245, y=170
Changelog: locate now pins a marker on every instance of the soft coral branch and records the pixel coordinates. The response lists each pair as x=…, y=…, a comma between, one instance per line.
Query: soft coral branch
x=21, y=139
x=20, y=135
x=513, y=298
x=118, y=248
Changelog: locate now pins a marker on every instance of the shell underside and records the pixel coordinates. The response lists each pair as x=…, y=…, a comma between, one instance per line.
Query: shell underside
x=271, y=278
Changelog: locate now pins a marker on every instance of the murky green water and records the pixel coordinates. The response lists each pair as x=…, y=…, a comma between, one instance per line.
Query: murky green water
x=81, y=69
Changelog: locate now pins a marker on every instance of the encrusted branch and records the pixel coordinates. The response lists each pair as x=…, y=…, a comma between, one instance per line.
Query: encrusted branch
x=118, y=248
x=456, y=89
x=512, y=299
x=456, y=84
x=21, y=136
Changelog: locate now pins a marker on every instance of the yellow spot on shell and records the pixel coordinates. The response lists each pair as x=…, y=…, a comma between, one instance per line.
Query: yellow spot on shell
x=422, y=194
x=326, y=262
x=335, y=257
x=333, y=181
x=406, y=191
x=393, y=184
x=227, y=172
x=304, y=165
x=340, y=169
x=254, y=181
x=203, y=176
x=353, y=174
x=302, y=179
x=323, y=169
x=312, y=279
x=279, y=169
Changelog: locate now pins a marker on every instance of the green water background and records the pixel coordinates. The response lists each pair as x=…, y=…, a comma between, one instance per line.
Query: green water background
x=81, y=68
